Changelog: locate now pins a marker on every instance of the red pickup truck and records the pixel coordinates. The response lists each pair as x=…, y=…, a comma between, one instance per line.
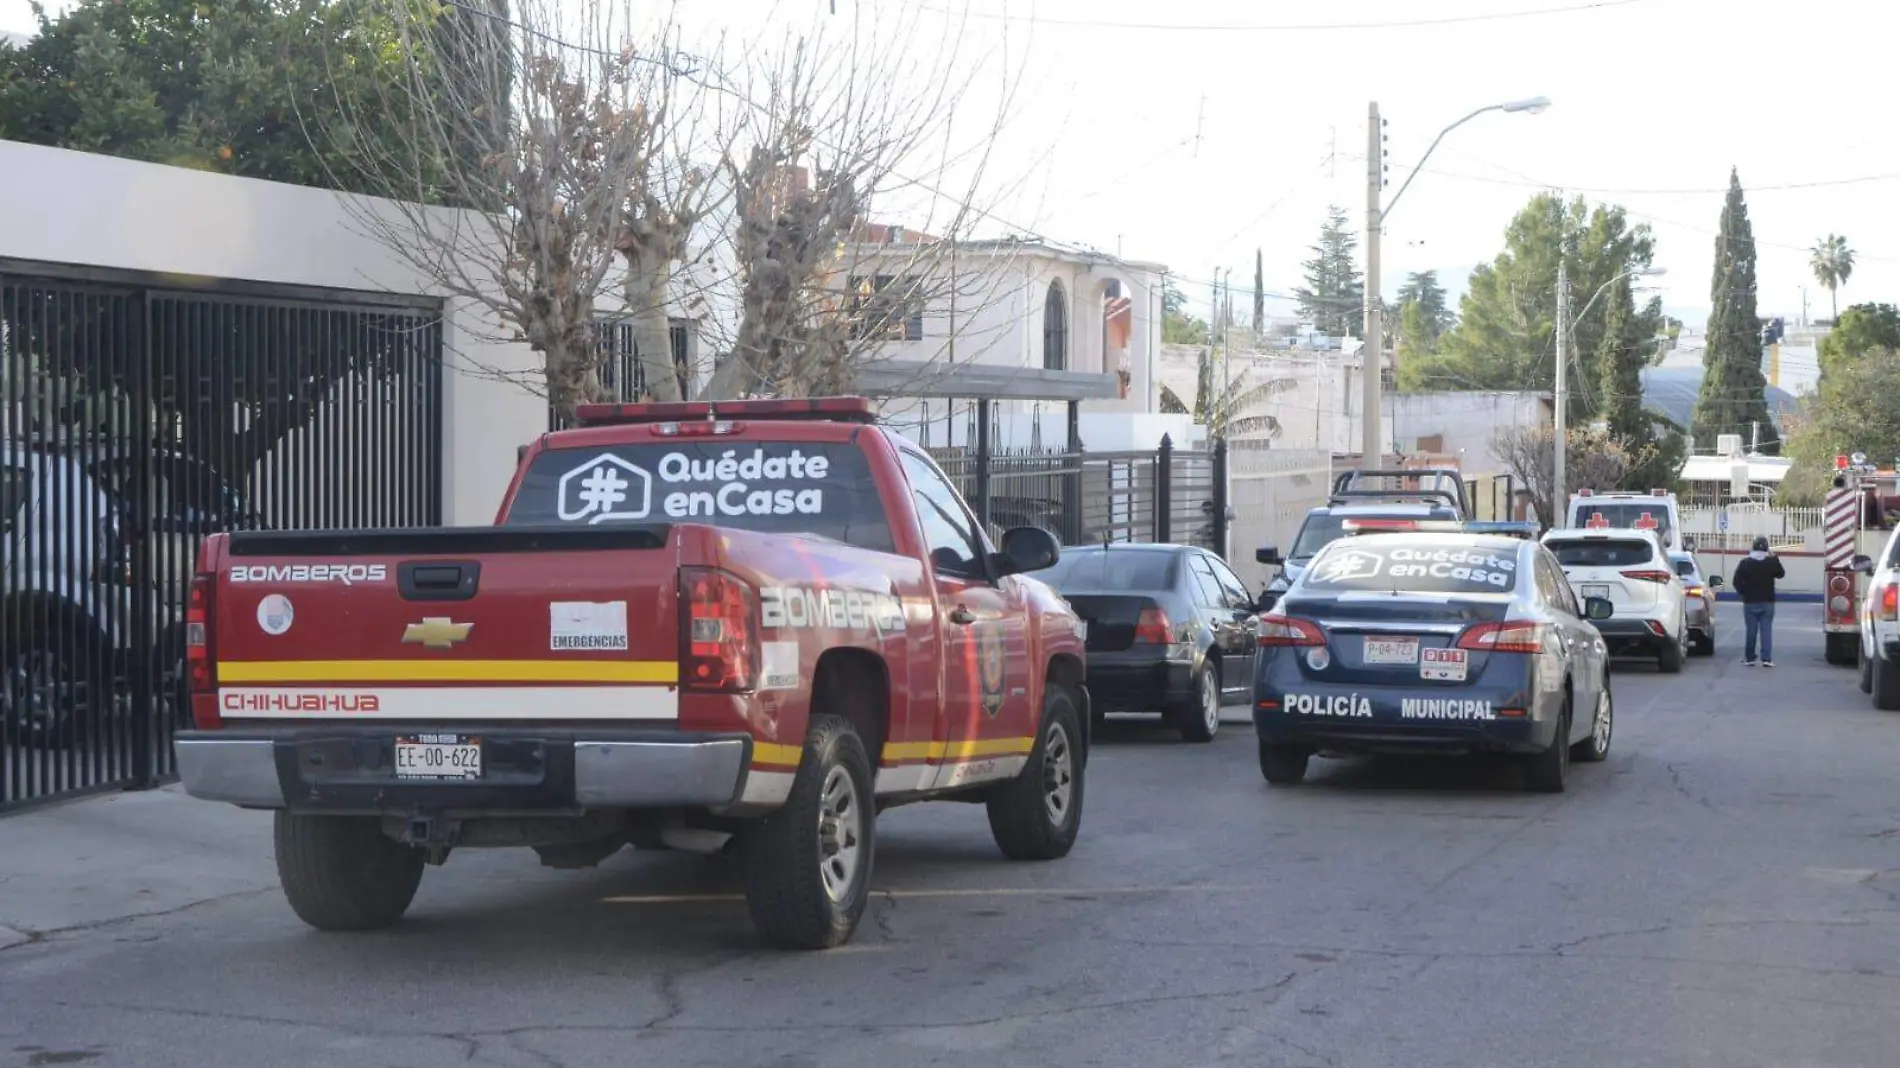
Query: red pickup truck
x=750, y=624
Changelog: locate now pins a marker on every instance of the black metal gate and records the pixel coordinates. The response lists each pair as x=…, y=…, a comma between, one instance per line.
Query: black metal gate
x=138, y=415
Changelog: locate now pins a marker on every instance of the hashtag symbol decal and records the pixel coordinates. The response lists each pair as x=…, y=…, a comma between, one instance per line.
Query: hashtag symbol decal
x=602, y=489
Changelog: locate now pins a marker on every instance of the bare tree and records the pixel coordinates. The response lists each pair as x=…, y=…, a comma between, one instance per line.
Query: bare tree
x=1593, y=460
x=836, y=127
x=546, y=158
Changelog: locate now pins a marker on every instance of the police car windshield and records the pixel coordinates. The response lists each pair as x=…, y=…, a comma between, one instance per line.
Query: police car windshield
x=1410, y=563
x=1627, y=515
x=772, y=487
x=1316, y=533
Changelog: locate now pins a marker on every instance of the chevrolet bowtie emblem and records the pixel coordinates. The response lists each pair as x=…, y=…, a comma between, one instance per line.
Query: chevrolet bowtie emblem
x=436, y=632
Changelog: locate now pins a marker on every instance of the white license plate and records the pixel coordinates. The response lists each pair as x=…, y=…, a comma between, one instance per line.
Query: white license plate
x=1596, y=589
x=438, y=756
x=1444, y=665
x=1391, y=650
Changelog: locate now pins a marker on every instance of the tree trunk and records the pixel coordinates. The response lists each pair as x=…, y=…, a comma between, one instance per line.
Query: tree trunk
x=1834, y=298
x=652, y=333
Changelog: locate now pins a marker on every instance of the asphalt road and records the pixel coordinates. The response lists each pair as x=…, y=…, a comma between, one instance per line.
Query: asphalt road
x=1725, y=891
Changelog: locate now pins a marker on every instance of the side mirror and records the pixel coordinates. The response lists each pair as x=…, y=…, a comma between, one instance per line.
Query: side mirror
x=1595, y=608
x=1269, y=555
x=1862, y=564
x=1267, y=600
x=1028, y=549
x=1715, y=582
x=1688, y=545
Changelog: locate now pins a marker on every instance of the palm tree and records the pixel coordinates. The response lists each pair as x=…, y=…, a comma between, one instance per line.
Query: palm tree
x=1833, y=265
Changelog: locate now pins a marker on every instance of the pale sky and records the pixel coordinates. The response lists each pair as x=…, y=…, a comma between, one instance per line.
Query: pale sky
x=1652, y=101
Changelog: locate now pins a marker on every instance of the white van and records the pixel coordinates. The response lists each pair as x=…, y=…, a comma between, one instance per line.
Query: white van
x=1655, y=510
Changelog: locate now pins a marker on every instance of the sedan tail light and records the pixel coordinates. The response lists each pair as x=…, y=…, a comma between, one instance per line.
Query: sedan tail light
x=1277, y=631
x=1660, y=577
x=1510, y=636
x=1154, y=627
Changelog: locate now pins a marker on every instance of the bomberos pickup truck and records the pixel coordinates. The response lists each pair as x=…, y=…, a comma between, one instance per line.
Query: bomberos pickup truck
x=749, y=625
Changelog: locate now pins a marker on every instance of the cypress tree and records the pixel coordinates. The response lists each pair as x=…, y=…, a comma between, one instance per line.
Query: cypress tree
x=1620, y=362
x=1734, y=391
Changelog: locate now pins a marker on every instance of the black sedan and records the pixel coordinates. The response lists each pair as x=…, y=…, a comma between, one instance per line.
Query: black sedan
x=1433, y=643
x=1171, y=629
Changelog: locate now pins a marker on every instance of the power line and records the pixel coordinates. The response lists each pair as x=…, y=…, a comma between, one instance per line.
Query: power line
x=1249, y=27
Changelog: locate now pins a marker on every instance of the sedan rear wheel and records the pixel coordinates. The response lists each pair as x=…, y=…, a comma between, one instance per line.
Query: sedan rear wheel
x=1602, y=726
x=1201, y=722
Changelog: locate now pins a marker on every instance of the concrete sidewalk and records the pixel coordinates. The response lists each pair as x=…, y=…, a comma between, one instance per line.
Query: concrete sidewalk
x=101, y=860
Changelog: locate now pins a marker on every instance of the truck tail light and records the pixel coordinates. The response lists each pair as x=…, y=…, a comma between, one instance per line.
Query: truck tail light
x=719, y=640
x=1278, y=631
x=1154, y=627
x=1510, y=636
x=1890, y=602
x=201, y=651
x=1659, y=577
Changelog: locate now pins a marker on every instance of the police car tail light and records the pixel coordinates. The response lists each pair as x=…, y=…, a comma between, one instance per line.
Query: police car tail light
x=1277, y=630
x=1510, y=636
x=1154, y=627
x=201, y=664
x=719, y=648
x=1661, y=577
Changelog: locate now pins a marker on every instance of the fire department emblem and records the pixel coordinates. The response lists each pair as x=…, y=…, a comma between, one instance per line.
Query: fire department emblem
x=990, y=666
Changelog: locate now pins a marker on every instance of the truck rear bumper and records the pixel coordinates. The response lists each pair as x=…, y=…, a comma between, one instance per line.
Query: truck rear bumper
x=352, y=769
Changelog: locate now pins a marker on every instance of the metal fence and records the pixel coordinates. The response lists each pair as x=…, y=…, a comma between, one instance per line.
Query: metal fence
x=138, y=416
x=1160, y=495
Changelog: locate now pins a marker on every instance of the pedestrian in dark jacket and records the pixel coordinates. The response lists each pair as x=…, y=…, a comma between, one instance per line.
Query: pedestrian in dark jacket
x=1755, y=585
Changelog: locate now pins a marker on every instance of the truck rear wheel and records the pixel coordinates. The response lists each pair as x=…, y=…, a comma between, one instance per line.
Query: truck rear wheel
x=1036, y=815
x=1886, y=684
x=342, y=873
x=808, y=865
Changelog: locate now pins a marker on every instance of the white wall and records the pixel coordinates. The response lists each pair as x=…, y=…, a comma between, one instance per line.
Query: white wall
x=72, y=207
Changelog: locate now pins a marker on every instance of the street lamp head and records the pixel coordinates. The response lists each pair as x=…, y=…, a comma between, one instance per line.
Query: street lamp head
x=1533, y=105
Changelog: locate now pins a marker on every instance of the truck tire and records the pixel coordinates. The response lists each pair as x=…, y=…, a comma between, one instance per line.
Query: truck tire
x=1036, y=815
x=1841, y=649
x=1886, y=685
x=342, y=873
x=1866, y=670
x=1283, y=765
x=808, y=865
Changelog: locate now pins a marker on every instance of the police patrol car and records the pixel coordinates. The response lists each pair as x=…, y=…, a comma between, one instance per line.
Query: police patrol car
x=1433, y=637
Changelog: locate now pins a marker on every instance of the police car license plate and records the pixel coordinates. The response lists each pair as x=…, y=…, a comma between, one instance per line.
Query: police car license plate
x=1592, y=589
x=1391, y=650
x=438, y=756
x=1444, y=665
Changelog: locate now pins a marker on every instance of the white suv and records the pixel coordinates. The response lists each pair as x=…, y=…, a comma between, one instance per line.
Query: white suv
x=1880, y=626
x=1631, y=569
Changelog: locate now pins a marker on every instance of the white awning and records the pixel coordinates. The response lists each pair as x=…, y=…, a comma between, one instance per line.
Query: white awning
x=1722, y=468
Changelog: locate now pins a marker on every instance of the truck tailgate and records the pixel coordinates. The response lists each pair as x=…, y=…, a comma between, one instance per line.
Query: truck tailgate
x=483, y=623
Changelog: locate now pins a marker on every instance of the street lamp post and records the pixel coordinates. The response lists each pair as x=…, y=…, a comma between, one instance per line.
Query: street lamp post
x=1560, y=439
x=1372, y=363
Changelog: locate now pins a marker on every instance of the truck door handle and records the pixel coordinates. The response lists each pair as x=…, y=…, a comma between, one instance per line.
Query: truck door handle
x=961, y=616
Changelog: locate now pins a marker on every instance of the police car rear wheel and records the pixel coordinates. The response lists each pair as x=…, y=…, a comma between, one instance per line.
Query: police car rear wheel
x=1546, y=771
x=1282, y=765
x=808, y=865
x=1201, y=721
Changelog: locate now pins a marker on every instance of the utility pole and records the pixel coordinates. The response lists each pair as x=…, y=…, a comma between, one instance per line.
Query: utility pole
x=1560, y=440
x=1372, y=358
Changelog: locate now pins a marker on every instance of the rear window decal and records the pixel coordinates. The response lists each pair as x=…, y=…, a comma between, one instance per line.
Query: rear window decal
x=1450, y=568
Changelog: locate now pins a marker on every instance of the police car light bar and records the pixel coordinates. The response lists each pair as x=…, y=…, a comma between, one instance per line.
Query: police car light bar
x=807, y=409
x=1505, y=528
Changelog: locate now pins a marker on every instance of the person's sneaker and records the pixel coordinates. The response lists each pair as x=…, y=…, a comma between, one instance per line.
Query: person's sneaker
x=1768, y=663
x=1748, y=663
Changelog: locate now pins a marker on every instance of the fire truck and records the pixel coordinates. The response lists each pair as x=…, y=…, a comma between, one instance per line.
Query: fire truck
x=1852, y=508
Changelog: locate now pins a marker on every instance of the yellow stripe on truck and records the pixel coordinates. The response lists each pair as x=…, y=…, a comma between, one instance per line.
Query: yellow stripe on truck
x=772, y=753
x=357, y=671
